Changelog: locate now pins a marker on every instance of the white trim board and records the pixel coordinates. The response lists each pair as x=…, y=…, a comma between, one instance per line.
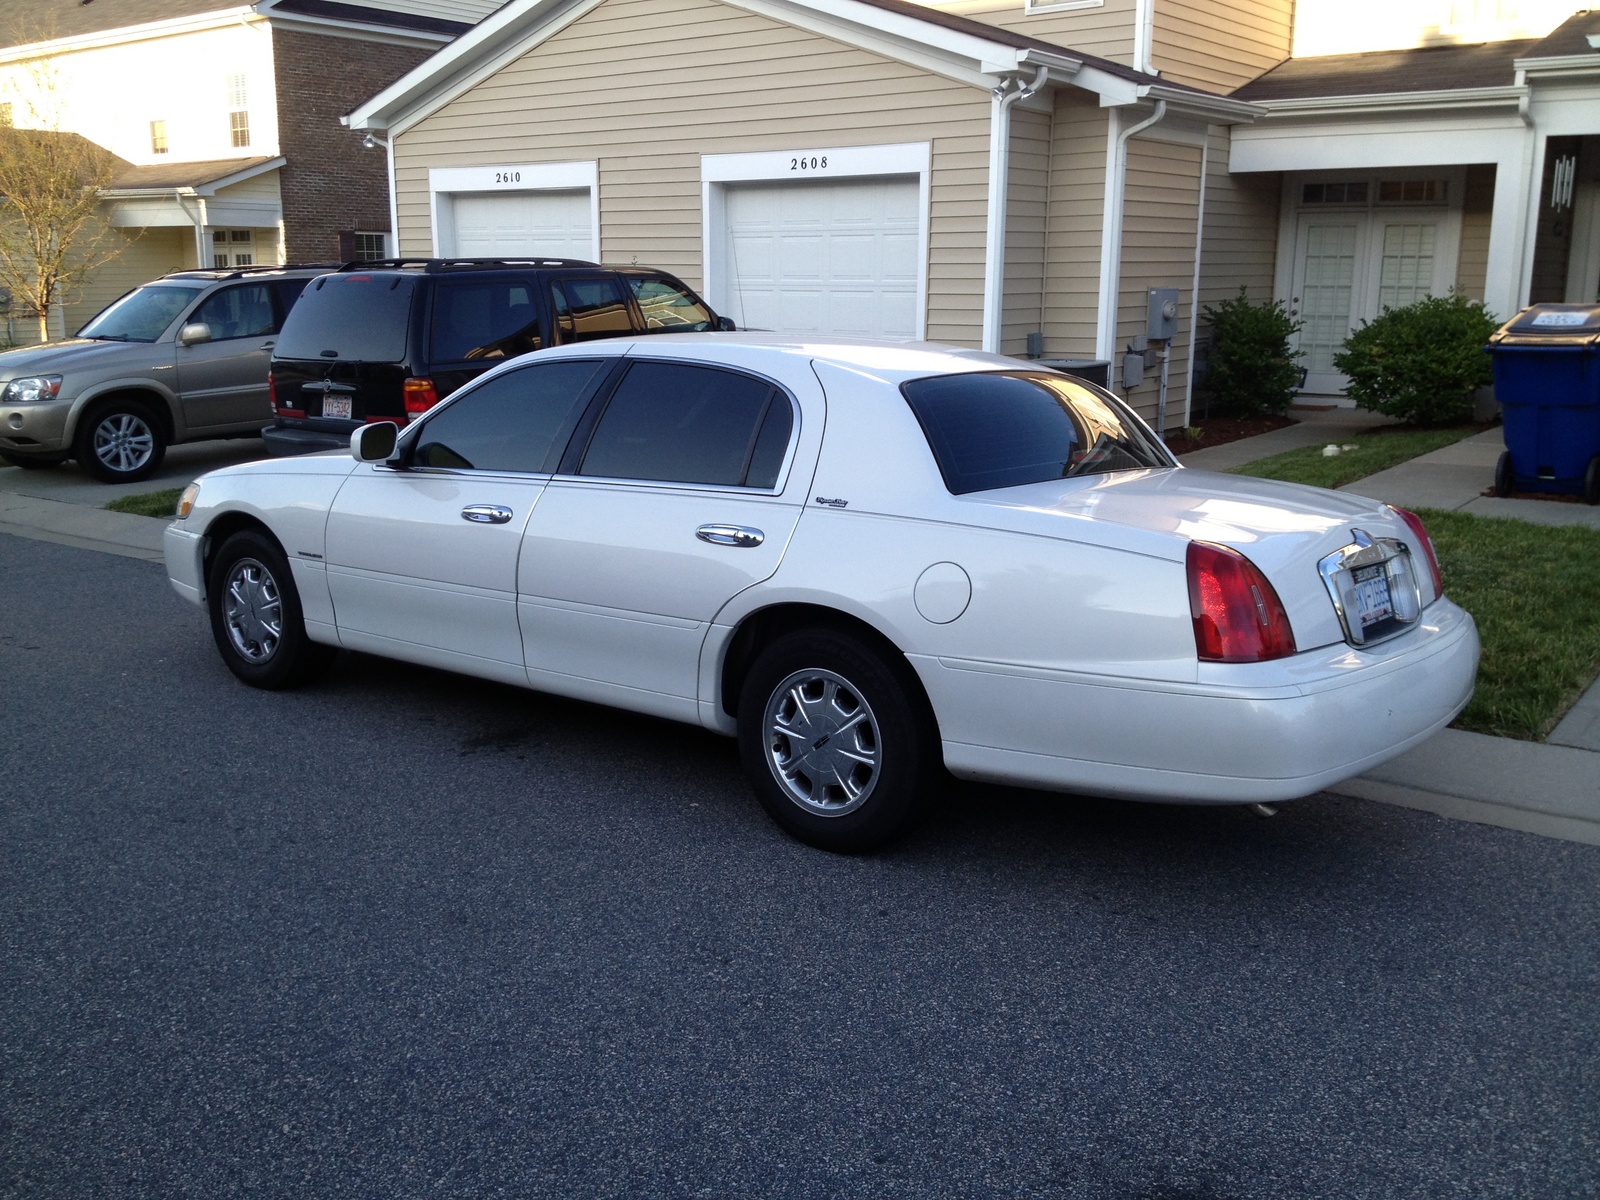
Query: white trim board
x=770, y=166
x=445, y=183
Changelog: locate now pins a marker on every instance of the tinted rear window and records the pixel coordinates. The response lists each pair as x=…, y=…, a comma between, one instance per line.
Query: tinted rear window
x=1010, y=428
x=359, y=317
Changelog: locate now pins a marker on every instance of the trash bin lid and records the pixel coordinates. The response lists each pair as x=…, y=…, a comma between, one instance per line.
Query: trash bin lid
x=1551, y=325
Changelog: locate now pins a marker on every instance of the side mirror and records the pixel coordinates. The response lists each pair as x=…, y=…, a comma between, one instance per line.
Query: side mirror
x=191, y=335
x=374, y=443
x=726, y=325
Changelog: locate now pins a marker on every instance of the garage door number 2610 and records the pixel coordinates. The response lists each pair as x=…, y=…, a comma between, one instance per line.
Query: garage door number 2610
x=813, y=163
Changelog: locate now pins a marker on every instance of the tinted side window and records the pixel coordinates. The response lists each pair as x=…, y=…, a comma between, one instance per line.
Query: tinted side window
x=491, y=319
x=362, y=317
x=678, y=423
x=519, y=421
x=238, y=312
x=667, y=305
x=590, y=308
x=1004, y=429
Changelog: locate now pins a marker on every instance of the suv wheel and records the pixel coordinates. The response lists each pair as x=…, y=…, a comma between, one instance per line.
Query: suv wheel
x=120, y=442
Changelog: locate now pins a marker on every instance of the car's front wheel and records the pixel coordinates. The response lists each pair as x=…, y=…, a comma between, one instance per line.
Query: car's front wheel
x=256, y=618
x=120, y=442
x=837, y=740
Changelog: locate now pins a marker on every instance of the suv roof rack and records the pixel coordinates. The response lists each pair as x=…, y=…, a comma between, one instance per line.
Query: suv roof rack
x=434, y=266
x=241, y=272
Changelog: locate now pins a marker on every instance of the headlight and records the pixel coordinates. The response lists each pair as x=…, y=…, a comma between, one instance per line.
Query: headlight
x=31, y=389
x=186, y=501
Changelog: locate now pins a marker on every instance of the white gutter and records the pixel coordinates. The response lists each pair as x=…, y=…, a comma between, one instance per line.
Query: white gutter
x=1105, y=334
x=1395, y=102
x=1010, y=90
x=1194, y=286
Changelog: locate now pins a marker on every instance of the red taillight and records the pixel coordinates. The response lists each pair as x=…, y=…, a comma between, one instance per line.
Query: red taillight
x=1237, y=614
x=1414, y=523
x=420, y=395
x=272, y=391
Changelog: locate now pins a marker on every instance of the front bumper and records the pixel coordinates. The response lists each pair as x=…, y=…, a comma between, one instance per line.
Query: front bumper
x=35, y=428
x=185, y=554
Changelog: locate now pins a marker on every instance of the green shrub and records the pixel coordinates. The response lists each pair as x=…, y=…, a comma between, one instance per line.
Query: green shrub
x=1420, y=363
x=1252, y=370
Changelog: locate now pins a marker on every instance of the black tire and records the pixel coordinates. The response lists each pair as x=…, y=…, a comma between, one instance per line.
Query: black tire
x=888, y=745
x=29, y=462
x=1505, y=482
x=256, y=618
x=120, y=441
x=1591, y=481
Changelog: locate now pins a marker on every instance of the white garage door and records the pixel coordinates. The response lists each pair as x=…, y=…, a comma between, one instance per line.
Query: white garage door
x=523, y=225
x=824, y=256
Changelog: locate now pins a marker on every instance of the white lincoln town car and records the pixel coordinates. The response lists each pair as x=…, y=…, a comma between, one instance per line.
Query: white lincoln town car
x=868, y=561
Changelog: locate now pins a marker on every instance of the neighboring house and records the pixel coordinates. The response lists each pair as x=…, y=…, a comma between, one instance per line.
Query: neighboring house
x=849, y=166
x=1413, y=148
x=227, y=118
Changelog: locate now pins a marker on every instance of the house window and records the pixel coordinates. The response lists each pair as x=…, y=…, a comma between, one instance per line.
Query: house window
x=1348, y=191
x=233, y=247
x=1412, y=191
x=369, y=246
x=238, y=110
x=158, y=137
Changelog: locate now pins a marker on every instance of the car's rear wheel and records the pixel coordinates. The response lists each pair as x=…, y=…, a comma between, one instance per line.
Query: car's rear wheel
x=1504, y=480
x=31, y=462
x=256, y=618
x=1591, y=482
x=837, y=740
x=120, y=442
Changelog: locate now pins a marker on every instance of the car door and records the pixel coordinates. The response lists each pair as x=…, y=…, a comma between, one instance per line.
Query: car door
x=222, y=382
x=422, y=554
x=681, y=497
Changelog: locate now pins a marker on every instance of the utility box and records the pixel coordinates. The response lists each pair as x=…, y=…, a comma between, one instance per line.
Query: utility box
x=1163, y=318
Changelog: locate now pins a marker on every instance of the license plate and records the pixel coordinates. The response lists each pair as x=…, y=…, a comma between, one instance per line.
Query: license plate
x=1372, y=598
x=336, y=406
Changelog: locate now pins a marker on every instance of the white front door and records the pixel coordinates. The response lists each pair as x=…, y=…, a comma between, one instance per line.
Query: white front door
x=825, y=256
x=541, y=224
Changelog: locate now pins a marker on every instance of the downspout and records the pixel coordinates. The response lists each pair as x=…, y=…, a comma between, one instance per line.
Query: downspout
x=199, y=220
x=1105, y=338
x=1194, y=287
x=1144, y=23
x=1533, y=192
x=1010, y=90
x=377, y=139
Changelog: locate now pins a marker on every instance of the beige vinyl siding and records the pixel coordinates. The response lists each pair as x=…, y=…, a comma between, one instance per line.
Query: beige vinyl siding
x=1240, y=248
x=1158, y=243
x=1076, y=212
x=143, y=256
x=257, y=187
x=1472, y=265
x=682, y=78
x=1220, y=44
x=1028, y=195
x=1105, y=30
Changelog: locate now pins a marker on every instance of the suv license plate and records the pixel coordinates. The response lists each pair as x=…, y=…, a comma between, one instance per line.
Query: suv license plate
x=1371, y=591
x=339, y=406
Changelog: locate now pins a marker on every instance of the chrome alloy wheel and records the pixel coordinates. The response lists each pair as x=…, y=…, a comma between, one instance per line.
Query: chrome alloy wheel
x=124, y=442
x=253, y=610
x=822, y=742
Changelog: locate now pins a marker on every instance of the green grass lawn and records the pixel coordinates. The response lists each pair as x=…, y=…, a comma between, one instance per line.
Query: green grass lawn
x=1535, y=592
x=162, y=504
x=1374, y=452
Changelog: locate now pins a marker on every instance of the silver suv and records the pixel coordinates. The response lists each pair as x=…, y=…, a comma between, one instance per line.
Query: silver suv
x=177, y=360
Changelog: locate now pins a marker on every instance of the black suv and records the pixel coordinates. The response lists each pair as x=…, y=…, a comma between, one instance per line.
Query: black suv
x=386, y=341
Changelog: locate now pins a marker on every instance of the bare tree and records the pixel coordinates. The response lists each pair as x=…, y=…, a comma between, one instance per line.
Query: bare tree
x=51, y=231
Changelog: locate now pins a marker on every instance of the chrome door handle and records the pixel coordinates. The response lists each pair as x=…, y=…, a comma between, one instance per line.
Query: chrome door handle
x=730, y=535
x=487, y=514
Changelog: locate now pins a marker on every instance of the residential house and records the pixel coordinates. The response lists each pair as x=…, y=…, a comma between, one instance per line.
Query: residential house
x=226, y=120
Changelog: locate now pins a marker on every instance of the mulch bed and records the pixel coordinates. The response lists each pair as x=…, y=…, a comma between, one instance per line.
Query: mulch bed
x=1220, y=430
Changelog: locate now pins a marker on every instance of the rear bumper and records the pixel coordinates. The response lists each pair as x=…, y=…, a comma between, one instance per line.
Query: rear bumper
x=285, y=441
x=1243, y=733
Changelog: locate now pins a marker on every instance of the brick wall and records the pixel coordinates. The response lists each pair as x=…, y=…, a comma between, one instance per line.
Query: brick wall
x=330, y=184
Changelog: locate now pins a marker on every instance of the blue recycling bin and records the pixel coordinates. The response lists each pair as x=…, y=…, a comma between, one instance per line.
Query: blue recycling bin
x=1547, y=379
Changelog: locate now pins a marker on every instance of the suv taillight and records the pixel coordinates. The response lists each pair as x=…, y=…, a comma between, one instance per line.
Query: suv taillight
x=1414, y=523
x=1237, y=614
x=272, y=392
x=420, y=395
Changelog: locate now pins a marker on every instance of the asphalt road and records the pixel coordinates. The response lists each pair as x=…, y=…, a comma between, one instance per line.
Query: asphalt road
x=404, y=934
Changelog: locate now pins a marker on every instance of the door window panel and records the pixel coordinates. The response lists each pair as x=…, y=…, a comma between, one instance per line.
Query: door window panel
x=1330, y=273
x=1406, y=274
x=678, y=423
x=239, y=312
x=484, y=320
x=519, y=421
x=590, y=308
x=667, y=306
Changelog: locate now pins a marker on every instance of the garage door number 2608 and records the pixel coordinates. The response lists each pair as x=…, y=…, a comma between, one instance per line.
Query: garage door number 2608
x=813, y=163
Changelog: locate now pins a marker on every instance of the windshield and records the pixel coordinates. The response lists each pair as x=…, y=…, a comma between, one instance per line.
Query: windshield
x=141, y=316
x=1003, y=429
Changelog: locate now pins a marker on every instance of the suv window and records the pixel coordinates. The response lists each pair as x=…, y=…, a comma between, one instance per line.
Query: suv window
x=361, y=317
x=238, y=312
x=519, y=421
x=589, y=308
x=484, y=319
x=667, y=305
x=679, y=423
x=1009, y=428
x=140, y=316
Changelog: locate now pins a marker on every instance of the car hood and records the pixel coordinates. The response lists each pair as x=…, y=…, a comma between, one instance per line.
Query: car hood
x=57, y=358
